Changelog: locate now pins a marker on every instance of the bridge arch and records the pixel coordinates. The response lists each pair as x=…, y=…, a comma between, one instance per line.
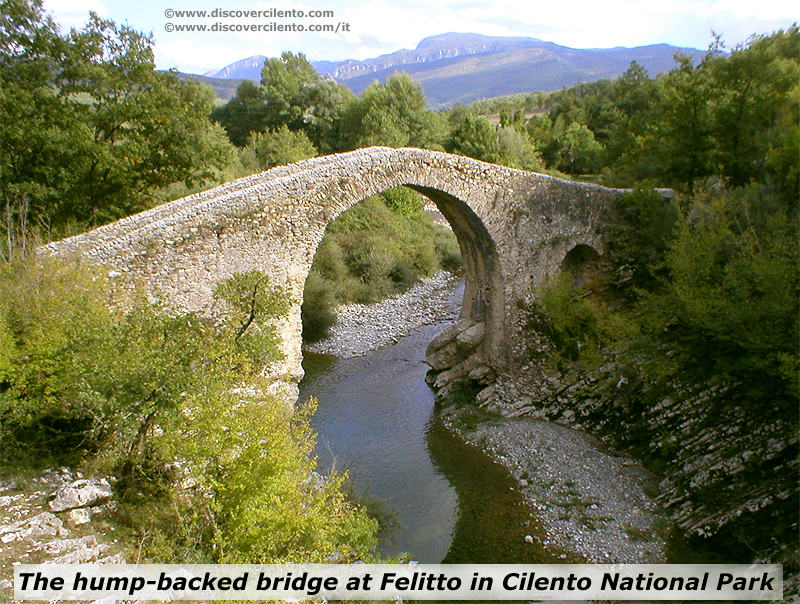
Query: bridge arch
x=484, y=297
x=514, y=229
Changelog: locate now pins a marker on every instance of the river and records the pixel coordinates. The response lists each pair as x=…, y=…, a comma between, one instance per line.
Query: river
x=449, y=501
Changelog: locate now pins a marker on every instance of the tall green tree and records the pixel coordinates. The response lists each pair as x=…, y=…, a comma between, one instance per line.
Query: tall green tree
x=244, y=114
x=94, y=128
x=629, y=153
x=299, y=98
x=394, y=114
x=754, y=82
x=687, y=127
x=476, y=137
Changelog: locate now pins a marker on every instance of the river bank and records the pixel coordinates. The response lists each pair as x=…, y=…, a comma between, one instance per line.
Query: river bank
x=593, y=504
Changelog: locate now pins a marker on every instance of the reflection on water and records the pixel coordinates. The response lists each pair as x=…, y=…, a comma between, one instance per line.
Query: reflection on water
x=371, y=419
x=376, y=419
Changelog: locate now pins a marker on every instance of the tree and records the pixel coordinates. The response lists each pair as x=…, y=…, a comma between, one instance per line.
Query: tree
x=629, y=154
x=157, y=397
x=732, y=304
x=754, y=81
x=687, y=144
x=517, y=151
x=95, y=128
x=476, y=137
x=276, y=148
x=578, y=150
x=38, y=129
x=244, y=114
x=299, y=98
x=392, y=114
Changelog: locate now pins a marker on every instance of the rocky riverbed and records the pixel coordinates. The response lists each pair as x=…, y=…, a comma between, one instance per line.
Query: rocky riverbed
x=361, y=328
x=591, y=502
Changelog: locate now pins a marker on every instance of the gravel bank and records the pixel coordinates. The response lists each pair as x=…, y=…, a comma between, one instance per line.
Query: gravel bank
x=593, y=503
x=590, y=502
x=361, y=328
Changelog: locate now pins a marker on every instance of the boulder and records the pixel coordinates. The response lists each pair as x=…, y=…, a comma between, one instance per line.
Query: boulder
x=81, y=493
x=471, y=337
x=41, y=525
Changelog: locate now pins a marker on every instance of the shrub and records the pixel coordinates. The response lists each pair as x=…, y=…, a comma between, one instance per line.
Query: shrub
x=318, y=310
x=579, y=326
x=210, y=466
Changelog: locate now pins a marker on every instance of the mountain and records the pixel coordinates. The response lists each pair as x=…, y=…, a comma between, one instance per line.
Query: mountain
x=250, y=69
x=461, y=68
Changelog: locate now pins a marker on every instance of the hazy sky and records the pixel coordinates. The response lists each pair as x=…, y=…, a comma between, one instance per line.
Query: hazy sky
x=382, y=26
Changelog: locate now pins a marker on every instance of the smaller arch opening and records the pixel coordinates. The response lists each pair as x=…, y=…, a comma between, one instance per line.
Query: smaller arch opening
x=581, y=263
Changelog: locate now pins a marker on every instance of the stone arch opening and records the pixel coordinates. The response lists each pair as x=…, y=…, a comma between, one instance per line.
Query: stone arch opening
x=580, y=262
x=483, y=300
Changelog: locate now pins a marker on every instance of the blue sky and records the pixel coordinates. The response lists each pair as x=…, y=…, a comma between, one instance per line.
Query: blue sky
x=382, y=26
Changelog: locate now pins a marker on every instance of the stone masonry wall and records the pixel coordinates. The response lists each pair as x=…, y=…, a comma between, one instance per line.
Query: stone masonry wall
x=514, y=229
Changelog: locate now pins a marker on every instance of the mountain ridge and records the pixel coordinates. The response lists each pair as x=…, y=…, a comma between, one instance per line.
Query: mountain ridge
x=463, y=67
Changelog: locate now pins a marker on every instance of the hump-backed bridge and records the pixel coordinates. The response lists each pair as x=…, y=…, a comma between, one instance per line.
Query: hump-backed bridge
x=515, y=229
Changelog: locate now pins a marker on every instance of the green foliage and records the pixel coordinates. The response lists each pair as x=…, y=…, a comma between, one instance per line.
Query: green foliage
x=245, y=114
x=732, y=304
x=517, y=150
x=686, y=130
x=297, y=97
x=510, y=145
x=46, y=315
x=281, y=146
x=211, y=468
x=393, y=114
x=579, y=326
x=476, y=137
x=404, y=201
x=754, y=81
x=377, y=248
x=91, y=129
x=579, y=152
x=252, y=303
x=639, y=229
x=271, y=506
x=318, y=310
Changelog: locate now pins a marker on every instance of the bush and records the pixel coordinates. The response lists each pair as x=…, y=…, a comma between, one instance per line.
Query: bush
x=639, y=229
x=318, y=311
x=210, y=466
x=579, y=326
x=731, y=305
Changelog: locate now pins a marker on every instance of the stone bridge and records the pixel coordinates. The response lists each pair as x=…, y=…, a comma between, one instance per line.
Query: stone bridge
x=515, y=229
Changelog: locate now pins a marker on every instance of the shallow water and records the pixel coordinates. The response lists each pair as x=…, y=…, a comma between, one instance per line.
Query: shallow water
x=451, y=502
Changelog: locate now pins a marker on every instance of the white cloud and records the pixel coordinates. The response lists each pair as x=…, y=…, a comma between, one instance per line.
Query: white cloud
x=193, y=56
x=74, y=13
x=383, y=26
